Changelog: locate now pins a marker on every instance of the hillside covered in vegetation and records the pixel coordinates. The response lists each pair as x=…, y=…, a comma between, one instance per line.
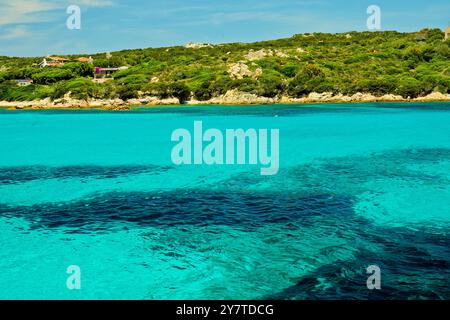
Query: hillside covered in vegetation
x=406, y=64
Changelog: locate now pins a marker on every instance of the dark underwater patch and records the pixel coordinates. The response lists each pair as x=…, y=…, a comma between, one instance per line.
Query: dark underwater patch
x=246, y=210
x=415, y=264
x=13, y=175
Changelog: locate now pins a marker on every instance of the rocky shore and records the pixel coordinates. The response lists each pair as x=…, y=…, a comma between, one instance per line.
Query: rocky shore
x=232, y=97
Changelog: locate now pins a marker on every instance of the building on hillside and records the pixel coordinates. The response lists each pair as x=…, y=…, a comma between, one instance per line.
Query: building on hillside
x=60, y=59
x=53, y=62
x=23, y=82
x=84, y=59
x=447, y=33
x=45, y=63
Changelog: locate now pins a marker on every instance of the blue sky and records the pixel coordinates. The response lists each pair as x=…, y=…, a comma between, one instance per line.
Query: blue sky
x=38, y=27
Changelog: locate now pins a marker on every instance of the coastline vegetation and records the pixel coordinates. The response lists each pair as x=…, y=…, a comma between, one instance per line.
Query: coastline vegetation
x=405, y=64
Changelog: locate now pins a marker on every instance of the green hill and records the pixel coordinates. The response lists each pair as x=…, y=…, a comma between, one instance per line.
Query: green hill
x=406, y=64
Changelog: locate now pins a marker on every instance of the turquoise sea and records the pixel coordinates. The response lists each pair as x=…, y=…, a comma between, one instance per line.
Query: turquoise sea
x=359, y=185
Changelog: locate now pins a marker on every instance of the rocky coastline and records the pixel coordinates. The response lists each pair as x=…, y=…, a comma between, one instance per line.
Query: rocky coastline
x=232, y=97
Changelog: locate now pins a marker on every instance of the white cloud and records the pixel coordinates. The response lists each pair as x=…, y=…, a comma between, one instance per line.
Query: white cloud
x=14, y=33
x=94, y=3
x=37, y=11
x=23, y=11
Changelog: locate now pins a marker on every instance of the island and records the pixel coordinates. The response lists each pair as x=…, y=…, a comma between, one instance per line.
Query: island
x=305, y=68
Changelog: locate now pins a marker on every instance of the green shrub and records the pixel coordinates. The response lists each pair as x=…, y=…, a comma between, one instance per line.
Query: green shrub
x=80, y=88
x=160, y=90
x=270, y=84
x=180, y=91
x=80, y=69
x=127, y=91
x=409, y=87
x=204, y=91
x=52, y=75
x=289, y=70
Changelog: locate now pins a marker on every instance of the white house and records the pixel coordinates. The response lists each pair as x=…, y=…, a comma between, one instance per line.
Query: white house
x=53, y=62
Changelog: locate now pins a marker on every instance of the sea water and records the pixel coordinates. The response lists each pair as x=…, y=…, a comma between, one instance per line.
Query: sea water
x=358, y=185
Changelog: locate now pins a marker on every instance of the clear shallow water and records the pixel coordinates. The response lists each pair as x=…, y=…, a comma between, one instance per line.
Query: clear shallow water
x=358, y=185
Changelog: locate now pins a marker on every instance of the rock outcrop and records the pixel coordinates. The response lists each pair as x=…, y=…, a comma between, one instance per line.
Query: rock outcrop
x=237, y=97
x=240, y=70
x=260, y=54
x=191, y=45
x=435, y=96
x=231, y=97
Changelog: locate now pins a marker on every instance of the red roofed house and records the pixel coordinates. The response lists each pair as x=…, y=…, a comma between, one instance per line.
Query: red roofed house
x=53, y=62
x=84, y=59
